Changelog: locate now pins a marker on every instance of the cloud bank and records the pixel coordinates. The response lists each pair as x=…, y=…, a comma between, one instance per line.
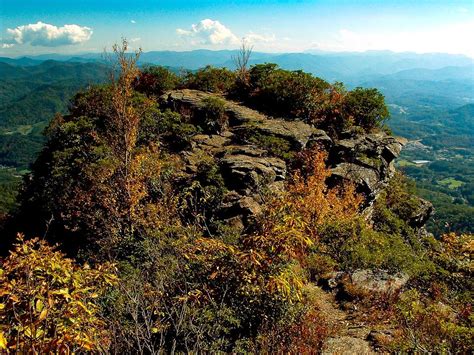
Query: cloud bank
x=43, y=34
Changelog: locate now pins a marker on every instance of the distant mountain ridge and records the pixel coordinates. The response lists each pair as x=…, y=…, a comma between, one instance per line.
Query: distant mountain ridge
x=331, y=66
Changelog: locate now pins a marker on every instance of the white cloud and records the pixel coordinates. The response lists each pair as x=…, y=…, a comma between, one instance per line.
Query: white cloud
x=209, y=32
x=136, y=39
x=43, y=34
x=253, y=38
x=214, y=33
x=447, y=39
x=133, y=21
x=7, y=45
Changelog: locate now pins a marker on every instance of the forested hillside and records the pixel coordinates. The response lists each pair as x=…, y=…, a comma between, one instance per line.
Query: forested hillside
x=31, y=93
x=255, y=210
x=429, y=97
x=30, y=96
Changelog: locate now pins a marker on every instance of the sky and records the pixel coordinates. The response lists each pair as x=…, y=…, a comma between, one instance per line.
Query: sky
x=29, y=27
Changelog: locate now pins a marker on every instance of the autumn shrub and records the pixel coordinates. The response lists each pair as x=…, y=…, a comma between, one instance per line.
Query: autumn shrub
x=49, y=304
x=201, y=197
x=329, y=114
x=427, y=325
x=91, y=181
x=340, y=238
x=215, y=119
x=156, y=80
x=211, y=79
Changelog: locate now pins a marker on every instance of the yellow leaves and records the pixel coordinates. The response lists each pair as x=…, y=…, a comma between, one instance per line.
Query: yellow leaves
x=32, y=332
x=3, y=341
x=63, y=292
x=191, y=296
x=57, y=293
x=39, y=305
x=43, y=315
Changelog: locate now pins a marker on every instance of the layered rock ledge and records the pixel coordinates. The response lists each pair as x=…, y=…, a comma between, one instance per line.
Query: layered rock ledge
x=366, y=159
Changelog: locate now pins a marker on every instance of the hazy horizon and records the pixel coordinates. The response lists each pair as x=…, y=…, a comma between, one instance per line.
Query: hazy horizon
x=311, y=52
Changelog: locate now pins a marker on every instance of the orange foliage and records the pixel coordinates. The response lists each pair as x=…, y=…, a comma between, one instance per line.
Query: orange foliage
x=292, y=221
x=268, y=259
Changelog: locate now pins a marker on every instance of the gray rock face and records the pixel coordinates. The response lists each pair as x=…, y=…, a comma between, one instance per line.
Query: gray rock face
x=378, y=280
x=422, y=214
x=298, y=134
x=367, y=179
x=366, y=160
x=249, y=172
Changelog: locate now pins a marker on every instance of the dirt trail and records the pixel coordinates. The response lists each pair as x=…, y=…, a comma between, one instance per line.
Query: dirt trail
x=350, y=335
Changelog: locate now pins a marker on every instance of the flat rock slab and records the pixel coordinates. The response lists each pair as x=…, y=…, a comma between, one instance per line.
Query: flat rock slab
x=347, y=345
x=297, y=133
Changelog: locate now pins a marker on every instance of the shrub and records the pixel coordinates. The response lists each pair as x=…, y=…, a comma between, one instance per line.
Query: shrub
x=202, y=198
x=210, y=79
x=365, y=107
x=50, y=304
x=287, y=93
x=427, y=325
x=155, y=80
x=171, y=127
x=215, y=119
x=277, y=146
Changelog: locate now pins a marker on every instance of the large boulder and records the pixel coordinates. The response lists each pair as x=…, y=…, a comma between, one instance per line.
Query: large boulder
x=367, y=281
x=379, y=281
x=365, y=178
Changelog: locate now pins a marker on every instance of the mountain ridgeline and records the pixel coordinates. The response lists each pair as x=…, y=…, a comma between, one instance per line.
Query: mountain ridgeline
x=242, y=211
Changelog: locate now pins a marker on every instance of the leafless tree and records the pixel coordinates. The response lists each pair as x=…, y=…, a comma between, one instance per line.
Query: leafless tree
x=241, y=60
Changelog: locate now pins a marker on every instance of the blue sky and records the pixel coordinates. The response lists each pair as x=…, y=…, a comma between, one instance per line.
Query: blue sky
x=35, y=26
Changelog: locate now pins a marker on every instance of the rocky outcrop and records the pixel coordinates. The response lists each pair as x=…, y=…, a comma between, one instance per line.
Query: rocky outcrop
x=298, y=134
x=248, y=168
x=380, y=281
x=366, y=160
x=420, y=216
